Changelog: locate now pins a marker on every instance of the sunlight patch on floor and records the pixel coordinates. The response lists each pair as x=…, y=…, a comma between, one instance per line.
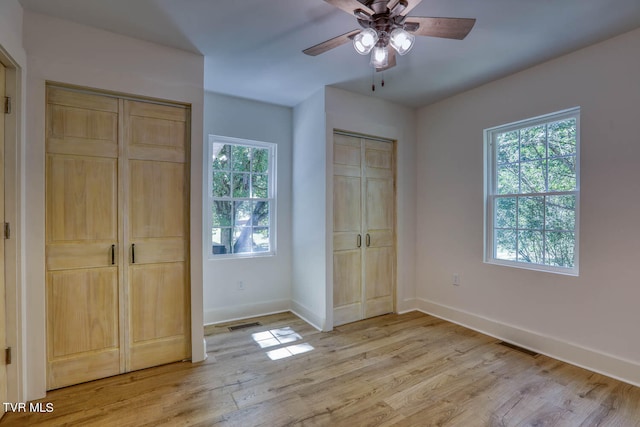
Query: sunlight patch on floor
x=275, y=337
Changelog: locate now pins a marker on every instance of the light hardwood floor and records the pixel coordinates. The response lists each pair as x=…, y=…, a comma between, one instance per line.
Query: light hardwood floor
x=406, y=370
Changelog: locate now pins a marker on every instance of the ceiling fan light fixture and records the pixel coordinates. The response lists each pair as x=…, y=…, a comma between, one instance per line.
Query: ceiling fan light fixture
x=380, y=57
x=365, y=40
x=401, y=40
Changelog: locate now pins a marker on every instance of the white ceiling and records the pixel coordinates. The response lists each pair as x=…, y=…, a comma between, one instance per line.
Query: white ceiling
x=253, y=48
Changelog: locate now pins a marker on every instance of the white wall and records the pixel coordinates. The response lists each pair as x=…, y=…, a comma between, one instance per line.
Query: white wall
x=591, y=320
x=308, y=292
x=314, y=123
x=267, y=280
x=13, y=56
x=65, y=52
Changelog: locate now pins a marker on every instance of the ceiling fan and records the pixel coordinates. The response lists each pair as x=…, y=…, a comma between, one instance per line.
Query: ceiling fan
x=385, y=23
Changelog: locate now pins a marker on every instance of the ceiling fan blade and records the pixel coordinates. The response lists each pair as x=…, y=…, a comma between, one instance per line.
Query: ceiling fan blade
x=391, y=61
x=448, y=28
x=349, y=6
x=408, y=8
x=330, y=44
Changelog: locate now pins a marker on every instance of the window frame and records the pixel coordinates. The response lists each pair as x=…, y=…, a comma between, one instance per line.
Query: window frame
x=272, y=196
x=491, y=184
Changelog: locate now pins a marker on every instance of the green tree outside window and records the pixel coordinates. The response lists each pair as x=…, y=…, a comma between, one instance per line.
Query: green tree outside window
x=242, y=197
x=533, y=189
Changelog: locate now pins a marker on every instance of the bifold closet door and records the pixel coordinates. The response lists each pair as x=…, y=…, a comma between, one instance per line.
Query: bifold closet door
x=117, y=188
x=82, y=262
x=157, y=234
x=363, y=228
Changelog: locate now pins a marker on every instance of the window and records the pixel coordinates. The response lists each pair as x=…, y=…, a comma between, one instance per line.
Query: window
x=242, y=197
x=532, y=188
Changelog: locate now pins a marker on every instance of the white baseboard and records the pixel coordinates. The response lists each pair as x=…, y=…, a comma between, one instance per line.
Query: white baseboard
x=238, y=312
x=407, y=305
x=307, y=315
x=574, y=354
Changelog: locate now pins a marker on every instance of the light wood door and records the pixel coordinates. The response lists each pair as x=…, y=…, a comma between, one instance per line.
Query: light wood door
x=3, y=301
x=363, y=230
x=379, y=220
x=157, y=234
x=116, y=236
x=82, y=269
x=347, y=229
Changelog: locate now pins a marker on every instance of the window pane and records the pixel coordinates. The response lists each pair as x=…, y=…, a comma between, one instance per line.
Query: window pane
x=531, y=212
x=241, y=184
x=241, y=240
x=508, y=179
x=221, y=241
x=260, y=160
x=560, y=249
x=260, y=186
x=505, y=247
x=530, y=247
x=533, y=188
x=562, y=138
x=260, y=213
x=562, y=174
x=533, y=143
x=505, y=212
x=561, y=213
x=532, y=177
x=221, y=213
x=241, y=192
x=221, y=154
x=242, y=214
x=241, y=158
x=507, y=147
x=261, y=239
x=221, y=186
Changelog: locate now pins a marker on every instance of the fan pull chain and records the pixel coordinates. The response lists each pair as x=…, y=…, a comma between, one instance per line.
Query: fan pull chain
x=373, y=80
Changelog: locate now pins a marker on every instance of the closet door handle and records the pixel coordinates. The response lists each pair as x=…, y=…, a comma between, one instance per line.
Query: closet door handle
x=368, y=240
x=133, y=253
x=359, y=240
x=113, y=254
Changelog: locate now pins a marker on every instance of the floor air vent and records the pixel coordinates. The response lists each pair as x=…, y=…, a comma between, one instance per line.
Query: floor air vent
x=244, y=326
x=520, y=349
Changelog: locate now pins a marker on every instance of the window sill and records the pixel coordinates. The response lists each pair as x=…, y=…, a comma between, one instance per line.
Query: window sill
x=228, y=257
x=535, y=267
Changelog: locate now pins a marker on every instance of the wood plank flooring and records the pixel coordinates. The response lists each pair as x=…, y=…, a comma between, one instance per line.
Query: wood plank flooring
x=404, y=370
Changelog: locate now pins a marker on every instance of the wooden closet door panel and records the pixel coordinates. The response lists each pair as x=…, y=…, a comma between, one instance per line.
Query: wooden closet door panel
x=157, y=234
x=347, y=229
x=82, y=294
x=347, y=286
x=379, y=225
x=347, y=204
x=82, y=325
x=82, y=197
x=82, y=124
x=156, y=132
x=159, y=324
x=157, y=199
x=379, y=279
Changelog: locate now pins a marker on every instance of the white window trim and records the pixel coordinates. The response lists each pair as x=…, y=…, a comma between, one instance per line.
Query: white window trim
x=490, y=184
x=273, y=199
